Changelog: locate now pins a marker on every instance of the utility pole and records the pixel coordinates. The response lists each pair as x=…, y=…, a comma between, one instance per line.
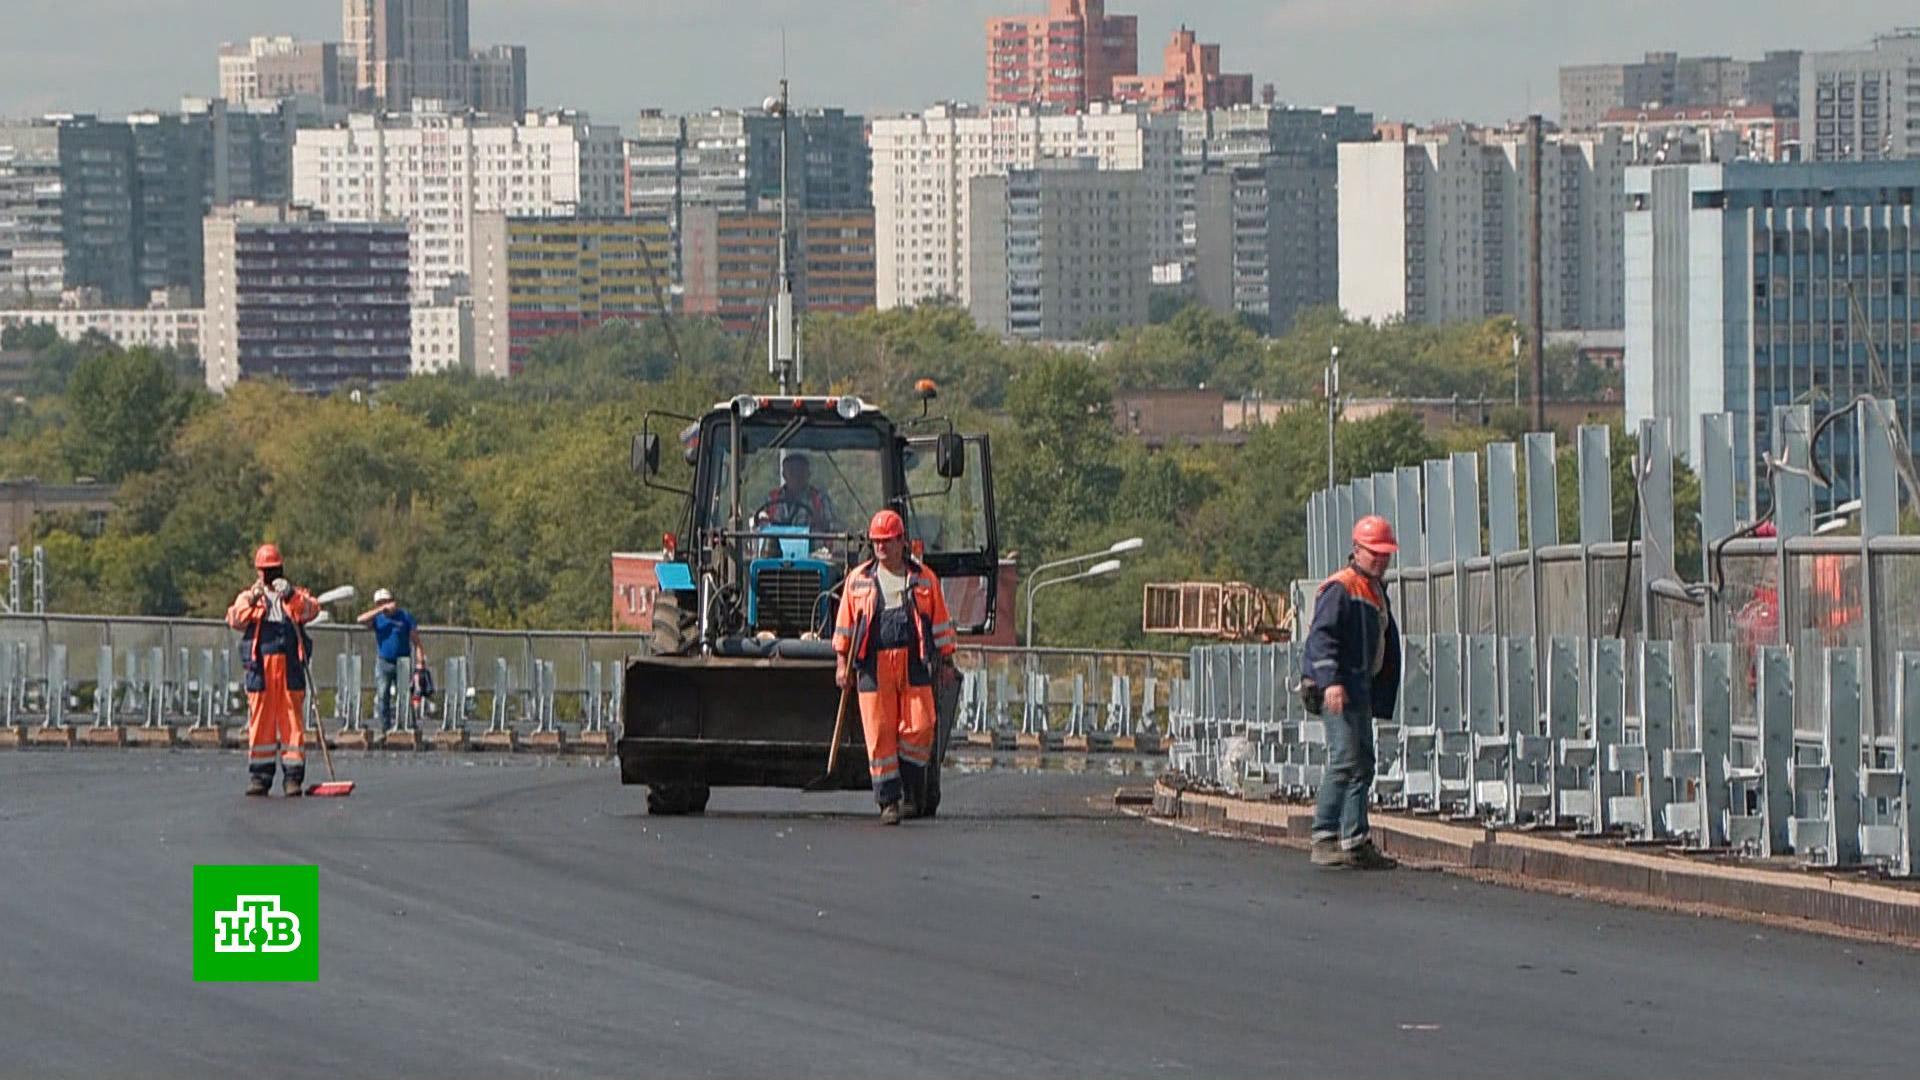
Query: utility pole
x=1536, y=149
x=1333, y=396
x=783, y=346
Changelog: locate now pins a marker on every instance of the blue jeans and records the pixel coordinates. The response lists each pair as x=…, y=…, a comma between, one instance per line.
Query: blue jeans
x=1342, y=808
x=386, y=679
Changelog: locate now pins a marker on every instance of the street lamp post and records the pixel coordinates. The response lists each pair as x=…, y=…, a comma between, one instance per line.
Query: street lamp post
x=1333, y=393
x=1097, y=570
x=1132, y=543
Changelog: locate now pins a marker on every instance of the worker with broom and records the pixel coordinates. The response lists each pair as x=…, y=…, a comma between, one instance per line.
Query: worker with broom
x=271, y=616
x=893, y=636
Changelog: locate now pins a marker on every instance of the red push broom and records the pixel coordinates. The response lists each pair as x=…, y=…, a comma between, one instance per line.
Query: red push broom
x=334, y=786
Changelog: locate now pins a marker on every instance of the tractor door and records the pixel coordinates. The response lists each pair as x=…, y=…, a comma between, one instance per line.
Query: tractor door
x=950, y=520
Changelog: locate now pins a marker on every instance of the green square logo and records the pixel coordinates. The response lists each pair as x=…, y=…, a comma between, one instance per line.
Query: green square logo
x=256, y=924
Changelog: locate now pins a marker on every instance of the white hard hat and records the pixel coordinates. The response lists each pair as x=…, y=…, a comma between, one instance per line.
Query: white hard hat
x=381, y=596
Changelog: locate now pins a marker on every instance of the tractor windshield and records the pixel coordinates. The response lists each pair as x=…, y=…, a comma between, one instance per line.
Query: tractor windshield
x=810, y=477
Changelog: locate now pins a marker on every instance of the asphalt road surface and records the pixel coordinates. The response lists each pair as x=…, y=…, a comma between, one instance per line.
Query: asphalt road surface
x=519, y=917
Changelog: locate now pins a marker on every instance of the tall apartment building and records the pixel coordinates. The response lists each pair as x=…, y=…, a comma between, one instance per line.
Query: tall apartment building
x=922, y=166
x=316, y=303
x=729, y=159
x=1190, y=79
x=407, y=50
x=172, y=153
x=437, y=171
x=1058, y=249
x=1741, y=285
x=534, y=277
x=497, y=80
x=68, y=216
x=1268, y=239
x=1434, y=229
x=1862, y=104
x=1067, y=58
x=731, y=257
x=270, y=68
x=252, y=151
x=1259, y=208
x=1589, y=91
x=1678, y=135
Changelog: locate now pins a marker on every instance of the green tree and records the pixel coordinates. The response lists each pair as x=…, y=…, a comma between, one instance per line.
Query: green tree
x=124, y=406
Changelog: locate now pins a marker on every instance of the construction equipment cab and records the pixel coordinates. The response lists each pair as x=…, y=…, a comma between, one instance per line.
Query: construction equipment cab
x=738, y=687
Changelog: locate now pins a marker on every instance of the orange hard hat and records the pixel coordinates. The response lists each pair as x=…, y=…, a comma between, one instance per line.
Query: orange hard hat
x=1374, y=533
x=268, y=555
x=886, y=525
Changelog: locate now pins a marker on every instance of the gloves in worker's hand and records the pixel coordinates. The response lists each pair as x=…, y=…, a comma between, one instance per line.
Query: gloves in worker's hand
x=281, y=587
x=1311, y=696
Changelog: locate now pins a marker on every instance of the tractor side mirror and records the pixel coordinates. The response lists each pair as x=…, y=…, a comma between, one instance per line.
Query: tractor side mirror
x=646, y=454
x=950, y=456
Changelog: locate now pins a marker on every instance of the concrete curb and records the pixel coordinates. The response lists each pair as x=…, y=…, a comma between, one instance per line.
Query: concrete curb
x=1809, y=900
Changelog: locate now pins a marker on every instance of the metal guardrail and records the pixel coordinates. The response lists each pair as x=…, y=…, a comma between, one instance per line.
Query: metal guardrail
x=515, y=684
x=1769, y=708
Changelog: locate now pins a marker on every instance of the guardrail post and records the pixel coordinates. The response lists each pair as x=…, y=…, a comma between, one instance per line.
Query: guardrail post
x=1713, y=724
x=56, y=692
x=1843, y=709
x=1609, y=723
x=1419, y=737
x=1491, y=762
x=103, y=691
x=1879, y=493
x=1531, y=798
x=1907, y=694
x=1571, y=755
x=1775, y=709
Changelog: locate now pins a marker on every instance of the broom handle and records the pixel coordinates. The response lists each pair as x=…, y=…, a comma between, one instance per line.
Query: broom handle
x=840, y=723
x=319, y=726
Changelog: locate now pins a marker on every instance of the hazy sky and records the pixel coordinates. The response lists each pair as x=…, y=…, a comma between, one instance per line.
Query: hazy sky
x=1407, y=59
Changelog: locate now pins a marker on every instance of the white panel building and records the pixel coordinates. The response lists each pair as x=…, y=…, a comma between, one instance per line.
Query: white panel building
x=922, y=166
x=436, y=171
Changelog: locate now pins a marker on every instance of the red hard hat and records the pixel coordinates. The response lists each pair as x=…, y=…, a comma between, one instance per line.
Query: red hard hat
x=268, y=555
x=1766, y=531
x=886, y=525
x=1375, y=534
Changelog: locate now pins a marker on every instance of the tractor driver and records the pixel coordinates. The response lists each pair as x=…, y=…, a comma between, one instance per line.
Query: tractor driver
x=796, y=501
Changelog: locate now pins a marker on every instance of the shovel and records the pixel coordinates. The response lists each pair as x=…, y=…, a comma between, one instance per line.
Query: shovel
x=825, y=781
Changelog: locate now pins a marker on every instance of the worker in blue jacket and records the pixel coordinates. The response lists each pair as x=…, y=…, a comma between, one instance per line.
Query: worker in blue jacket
x=1352, y=674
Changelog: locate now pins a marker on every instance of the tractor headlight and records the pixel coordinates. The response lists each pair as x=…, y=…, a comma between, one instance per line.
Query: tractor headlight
x=850, y=408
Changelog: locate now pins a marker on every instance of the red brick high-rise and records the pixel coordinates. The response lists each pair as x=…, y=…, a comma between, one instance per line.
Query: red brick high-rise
x=1068, y=57
x=1191, y=79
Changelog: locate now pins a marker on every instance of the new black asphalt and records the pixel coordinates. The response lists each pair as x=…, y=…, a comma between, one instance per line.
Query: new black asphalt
x=520, y=917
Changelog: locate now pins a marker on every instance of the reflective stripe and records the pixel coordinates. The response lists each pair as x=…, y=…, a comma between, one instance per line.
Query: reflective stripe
x=883, y=763
x=860, y=585
x=942, y=628
x=842, y=631
x=915, y=757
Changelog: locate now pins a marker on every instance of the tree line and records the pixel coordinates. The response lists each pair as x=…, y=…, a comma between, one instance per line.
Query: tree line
x=496, y=503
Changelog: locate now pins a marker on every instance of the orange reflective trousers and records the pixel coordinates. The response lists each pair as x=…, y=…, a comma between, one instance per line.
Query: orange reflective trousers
x=275, y=717
x=898, y=718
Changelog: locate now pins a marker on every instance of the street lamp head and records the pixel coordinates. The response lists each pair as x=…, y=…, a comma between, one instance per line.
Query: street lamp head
x=1133, y=543
x=1107, y=567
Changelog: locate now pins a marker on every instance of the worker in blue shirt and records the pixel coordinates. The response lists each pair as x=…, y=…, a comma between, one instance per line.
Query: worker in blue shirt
x=397, y=634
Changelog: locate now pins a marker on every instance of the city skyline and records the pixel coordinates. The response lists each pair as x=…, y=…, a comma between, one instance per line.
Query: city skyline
x=115, y=56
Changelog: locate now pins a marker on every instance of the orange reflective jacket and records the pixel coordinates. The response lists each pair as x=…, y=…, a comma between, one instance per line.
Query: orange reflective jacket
x=860, y=606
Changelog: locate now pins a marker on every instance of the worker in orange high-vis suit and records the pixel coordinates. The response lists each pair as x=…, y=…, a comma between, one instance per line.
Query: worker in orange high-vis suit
x=271, y=616
x=894, y=637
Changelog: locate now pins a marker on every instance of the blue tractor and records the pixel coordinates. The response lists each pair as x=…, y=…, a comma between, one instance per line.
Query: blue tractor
x=737, y=688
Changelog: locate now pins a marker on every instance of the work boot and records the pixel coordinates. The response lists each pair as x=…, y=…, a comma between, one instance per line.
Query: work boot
x=291, y=787
x=890, y=813
x=259, y=785
x=910, y=809
x=1368, y=857
x=1328, y=852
